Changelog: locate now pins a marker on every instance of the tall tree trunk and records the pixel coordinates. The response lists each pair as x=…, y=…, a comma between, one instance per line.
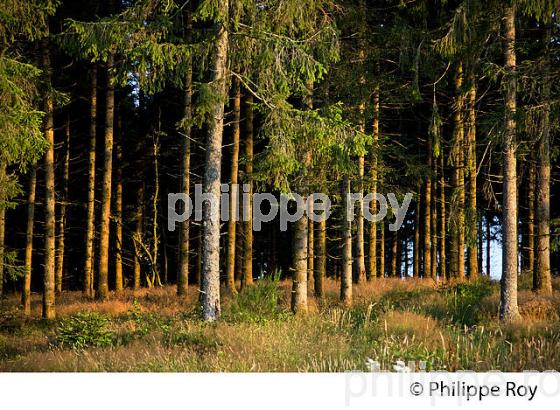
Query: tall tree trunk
x=346, y=276
x=49, y=254
x=472, y=245
x=542, y=277
x=374, y=174
x=529, y=237
x=382, y=249
x=443, y=219
x=138, y=234
x=427, y=240
x=103, y=282
x=299, y=282
x=234, y=189
x=457, y=232
x=118, y=206
x=509, y=310
x=212, y=173
x=26, y=291
x=321, y=265
x=416, y=244
x=90, y=224
x=433, y=256
x=310, y=254
x=395, y=255
x=184, y=236
x=59, y=262
x=247, y=278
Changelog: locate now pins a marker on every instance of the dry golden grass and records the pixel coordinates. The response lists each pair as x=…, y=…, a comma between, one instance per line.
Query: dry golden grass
x=392, y=319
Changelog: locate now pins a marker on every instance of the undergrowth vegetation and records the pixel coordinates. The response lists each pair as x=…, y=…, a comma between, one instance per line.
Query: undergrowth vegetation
x=445, y=326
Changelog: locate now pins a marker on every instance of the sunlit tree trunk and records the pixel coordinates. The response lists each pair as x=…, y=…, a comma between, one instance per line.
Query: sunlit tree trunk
x=346, y=276
x=211, y=308
x=472, y=245
x=457, y=231
x=488, y=244
x=374, y=174
x=416, y=243
x=382, y=249
x=528, y=257
x=427, y=221
x=247, y=277
x=59, y=262
x=49, y=253
x=234, y=191
x=509, y=310
x=443, y=219
x=395, y=254
x=118, y=207
x=434, y=215
x=321, y=265
x=103, y=276
x=26, y=291
x=90, y=222
x=138, y=234
x=184, y=236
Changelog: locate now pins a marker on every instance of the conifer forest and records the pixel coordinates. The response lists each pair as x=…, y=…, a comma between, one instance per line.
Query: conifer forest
x=386, y=177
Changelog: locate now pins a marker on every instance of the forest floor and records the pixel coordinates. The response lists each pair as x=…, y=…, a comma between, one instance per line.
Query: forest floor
x=450, y=327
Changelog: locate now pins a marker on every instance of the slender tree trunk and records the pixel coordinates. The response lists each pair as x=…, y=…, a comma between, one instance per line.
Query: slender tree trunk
x=118, y=207
x=310, y=254
x=299, y=282
x=346, y=276
x=443, y=221
x=103, y=282
x=234, y=190
x=212, y=173
x=138, y=234
x=26, y=291
x=59, y=260
x=90, y=224
x=321, y=265
x=184, y=237
x=509, y=310
x=416, y=244
x=457, y=233
x=427, y=213
x=472, y=245
x=529, y=239
x=542, y=276
x=395, y=255
x=247, y=278
x=374, y=173
x=433, y=256
x=382, y=249
x=49, y=253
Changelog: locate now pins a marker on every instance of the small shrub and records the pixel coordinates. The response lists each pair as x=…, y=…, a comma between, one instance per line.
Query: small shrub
x=85, y=329
x=255, y=304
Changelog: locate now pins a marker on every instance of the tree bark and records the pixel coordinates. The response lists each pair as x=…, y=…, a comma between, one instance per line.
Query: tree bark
x=234, y=189
x=427, y=212
x=321, y=265
x=542, y=276
x=472, y=245
x=416, y=244
x=184, y=236
x=59, y=260
x=26, y=291
x=374, y=173
x=103, y=282
x=118, y=207
x=299, y=282
x=457, y=233
x=247, y=278
x=382, y=249
x=211, y=308
x=443, y=219
x=49, y=253
x=346, y=276
x=138, y=233
x=509, y=310
x=90, y=221
x=529, y=237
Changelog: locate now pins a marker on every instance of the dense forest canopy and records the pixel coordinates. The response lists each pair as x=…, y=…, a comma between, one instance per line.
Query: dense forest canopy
x=106, y=107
